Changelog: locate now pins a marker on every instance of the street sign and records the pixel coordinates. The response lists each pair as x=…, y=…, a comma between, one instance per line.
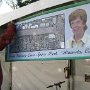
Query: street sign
x=53, y=34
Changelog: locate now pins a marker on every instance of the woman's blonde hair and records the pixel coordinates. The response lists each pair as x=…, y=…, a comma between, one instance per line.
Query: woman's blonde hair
x=79, y=13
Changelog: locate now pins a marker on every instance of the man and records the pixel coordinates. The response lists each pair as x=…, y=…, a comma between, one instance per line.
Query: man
x=77, y=20
x=5, y=39
x=1, y=76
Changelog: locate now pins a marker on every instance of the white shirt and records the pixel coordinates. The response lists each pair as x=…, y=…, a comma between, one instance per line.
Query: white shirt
x=6, y=72
x=84, y=42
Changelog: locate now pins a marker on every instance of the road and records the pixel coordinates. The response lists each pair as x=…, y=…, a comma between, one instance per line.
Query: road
x=37, y=75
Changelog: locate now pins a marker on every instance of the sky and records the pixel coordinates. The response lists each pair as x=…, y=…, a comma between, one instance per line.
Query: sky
x=4, y=8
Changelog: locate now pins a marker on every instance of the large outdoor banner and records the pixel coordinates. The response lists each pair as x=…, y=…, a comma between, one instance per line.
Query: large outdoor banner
x=59, y=33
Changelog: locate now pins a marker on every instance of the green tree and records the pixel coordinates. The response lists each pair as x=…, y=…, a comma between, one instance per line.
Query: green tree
x=21, y=3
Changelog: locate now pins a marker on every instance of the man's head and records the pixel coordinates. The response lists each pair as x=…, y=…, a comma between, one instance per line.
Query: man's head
x=81, y=13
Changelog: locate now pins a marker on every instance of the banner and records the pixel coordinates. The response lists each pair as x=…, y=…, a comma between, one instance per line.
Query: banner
x=59, y=33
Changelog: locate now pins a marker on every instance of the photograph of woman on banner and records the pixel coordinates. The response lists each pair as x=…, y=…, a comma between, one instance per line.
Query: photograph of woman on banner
x=77, y=21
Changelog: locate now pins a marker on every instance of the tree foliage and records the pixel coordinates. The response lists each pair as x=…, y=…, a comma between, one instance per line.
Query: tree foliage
x=24, y=3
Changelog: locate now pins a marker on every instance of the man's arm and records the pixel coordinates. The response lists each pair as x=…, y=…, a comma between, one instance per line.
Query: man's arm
x=7, y=37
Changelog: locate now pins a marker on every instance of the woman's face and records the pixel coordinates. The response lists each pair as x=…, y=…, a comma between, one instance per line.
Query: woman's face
x=77, y=26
